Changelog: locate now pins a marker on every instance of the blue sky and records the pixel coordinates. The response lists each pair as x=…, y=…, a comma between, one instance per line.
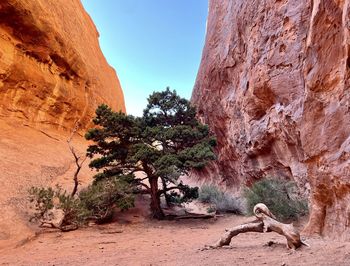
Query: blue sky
x=151, y=44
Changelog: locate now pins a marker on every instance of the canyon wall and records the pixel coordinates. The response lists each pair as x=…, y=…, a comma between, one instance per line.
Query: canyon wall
x=53, y=75
x=52, y=71
x=273, y=86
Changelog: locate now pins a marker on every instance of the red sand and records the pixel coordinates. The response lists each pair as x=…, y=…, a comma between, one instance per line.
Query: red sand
x=170, y=243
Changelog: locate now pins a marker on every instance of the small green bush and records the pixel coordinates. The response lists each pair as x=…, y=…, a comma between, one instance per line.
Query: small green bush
x=223, y=201
x=42, y=199
x=279, y=196
x=100, y=199
x=46, y=199
x=96, y=202
x=73, y=212
x=211, y=209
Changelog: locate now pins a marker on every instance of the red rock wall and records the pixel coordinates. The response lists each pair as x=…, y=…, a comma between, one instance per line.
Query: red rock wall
x=52, y=74
x=273, y=85
x=52, y=71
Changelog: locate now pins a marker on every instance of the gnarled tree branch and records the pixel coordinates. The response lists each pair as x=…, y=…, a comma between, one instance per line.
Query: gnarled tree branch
x=265, y=223
x=78, y=161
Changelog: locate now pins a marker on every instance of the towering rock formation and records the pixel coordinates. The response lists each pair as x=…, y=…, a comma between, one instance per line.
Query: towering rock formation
x=274, y=86
x=53, y=75
x=52, y=71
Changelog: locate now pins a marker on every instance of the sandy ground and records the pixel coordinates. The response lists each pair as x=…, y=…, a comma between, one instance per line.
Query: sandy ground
x=170, y=243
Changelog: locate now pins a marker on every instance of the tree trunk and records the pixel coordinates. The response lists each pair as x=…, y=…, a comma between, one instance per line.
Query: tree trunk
x=76, y=182
x=166, y=196
x=78, y=163
x=156, y=209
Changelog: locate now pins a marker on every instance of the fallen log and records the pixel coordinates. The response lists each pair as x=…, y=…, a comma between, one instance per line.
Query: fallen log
x=195, y=216
x=265, y=222
x=190, y=216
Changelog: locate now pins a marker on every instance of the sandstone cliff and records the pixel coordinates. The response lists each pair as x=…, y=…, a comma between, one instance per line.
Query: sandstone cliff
x=273, y=85
x=52, y=71
x=52, y=75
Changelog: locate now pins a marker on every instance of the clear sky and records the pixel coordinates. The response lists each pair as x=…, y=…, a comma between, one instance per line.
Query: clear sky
x=151, y=44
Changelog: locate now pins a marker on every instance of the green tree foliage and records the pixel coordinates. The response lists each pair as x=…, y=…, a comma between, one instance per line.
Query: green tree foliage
x=163, y=144
x=279, y=196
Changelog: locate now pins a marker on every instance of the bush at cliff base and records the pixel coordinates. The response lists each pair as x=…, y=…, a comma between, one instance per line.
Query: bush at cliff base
x=280, y=196
x=94, y=203
x=221, y=201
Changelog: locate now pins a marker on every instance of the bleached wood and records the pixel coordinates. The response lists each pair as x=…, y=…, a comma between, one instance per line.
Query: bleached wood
x=266, y=222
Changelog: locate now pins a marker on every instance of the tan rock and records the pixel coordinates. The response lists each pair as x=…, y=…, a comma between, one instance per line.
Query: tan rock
x=53, y=218
x=273, y=86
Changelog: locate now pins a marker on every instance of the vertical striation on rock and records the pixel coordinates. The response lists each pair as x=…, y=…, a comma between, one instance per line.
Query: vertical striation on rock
x=273, y=86
x=52, y=71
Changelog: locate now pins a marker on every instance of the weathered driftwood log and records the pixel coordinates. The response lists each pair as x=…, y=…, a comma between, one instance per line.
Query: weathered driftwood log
x=265, y=223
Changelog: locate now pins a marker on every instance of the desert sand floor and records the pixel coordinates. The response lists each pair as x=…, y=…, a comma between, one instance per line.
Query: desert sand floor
x=170, y=243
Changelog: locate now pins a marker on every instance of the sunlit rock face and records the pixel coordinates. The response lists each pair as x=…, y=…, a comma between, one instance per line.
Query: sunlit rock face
x=53, y=75
x=52, y=71
x=274, y=87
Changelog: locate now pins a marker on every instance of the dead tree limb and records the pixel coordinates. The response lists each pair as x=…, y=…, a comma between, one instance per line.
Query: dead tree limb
x=78, y=160
x=265, y=223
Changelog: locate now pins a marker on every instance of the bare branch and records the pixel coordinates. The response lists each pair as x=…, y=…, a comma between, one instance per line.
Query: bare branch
x=140, y=179
x=78, y=162
x=265, y=223
x=167, y=189
x=137, y=169
x=144, y=185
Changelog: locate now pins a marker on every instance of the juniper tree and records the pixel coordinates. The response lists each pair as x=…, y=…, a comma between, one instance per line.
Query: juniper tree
x=165, y=143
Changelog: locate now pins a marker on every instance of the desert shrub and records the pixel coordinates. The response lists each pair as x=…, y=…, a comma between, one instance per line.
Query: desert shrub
x=100, y=199
x=211, y=209
x=46, y=199
x=96, y=202
x=42, y=198
x=279, y=196
x=223, y=201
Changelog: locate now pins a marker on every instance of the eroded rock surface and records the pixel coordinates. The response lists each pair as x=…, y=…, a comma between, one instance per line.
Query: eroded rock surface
x=273, y=85
x=52, y=71
x=53, y=75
